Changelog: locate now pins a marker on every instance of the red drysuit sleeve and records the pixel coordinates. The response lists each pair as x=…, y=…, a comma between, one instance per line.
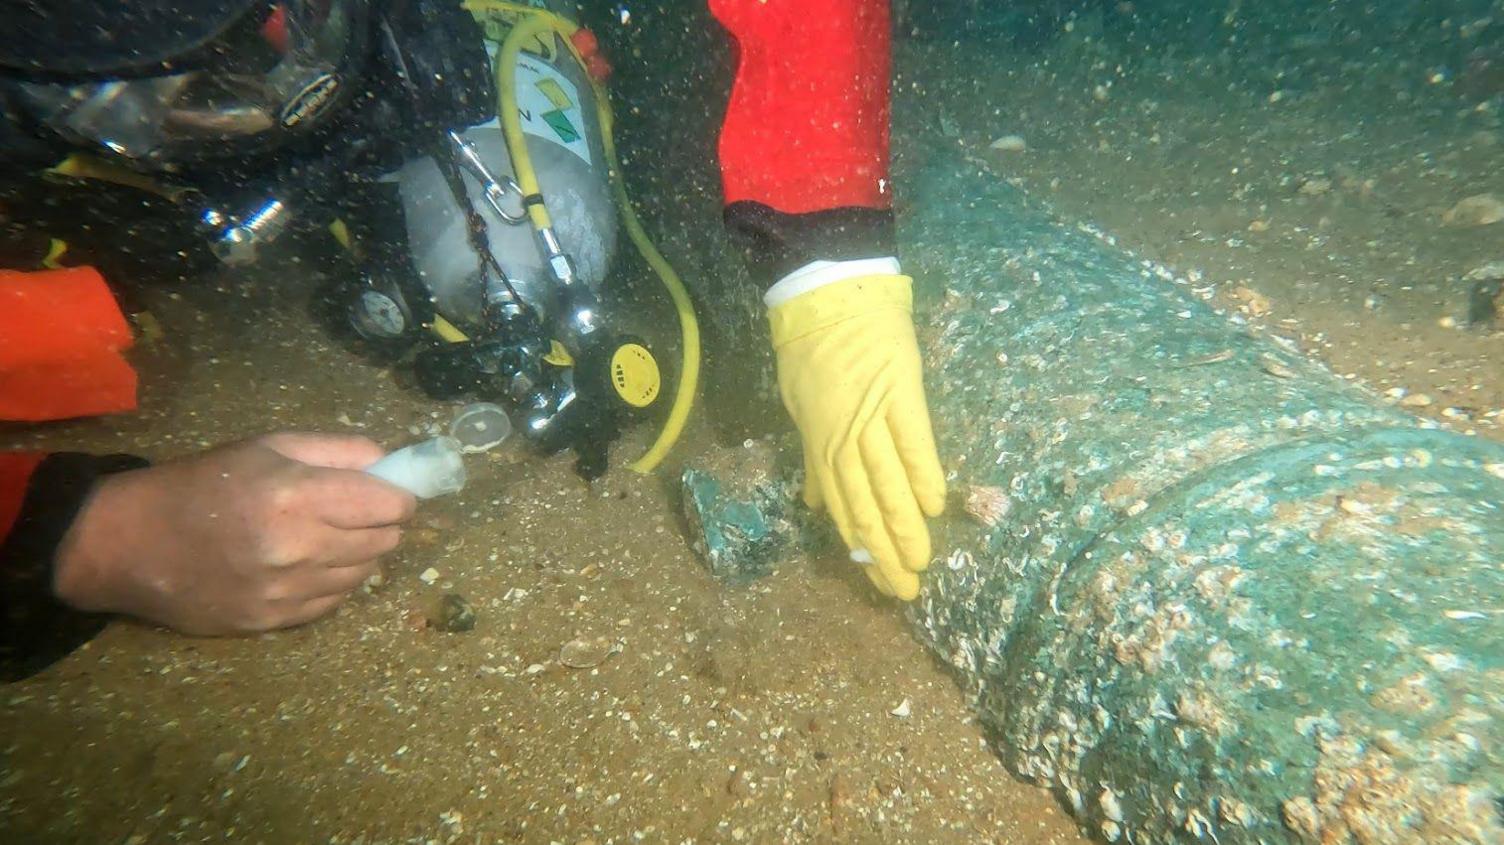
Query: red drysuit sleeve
x=806, y=129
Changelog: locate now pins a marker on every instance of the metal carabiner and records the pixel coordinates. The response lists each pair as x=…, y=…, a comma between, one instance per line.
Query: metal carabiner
x=495, y=188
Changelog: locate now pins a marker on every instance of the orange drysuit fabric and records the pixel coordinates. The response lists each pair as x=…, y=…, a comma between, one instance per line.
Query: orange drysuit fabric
x=61, y=339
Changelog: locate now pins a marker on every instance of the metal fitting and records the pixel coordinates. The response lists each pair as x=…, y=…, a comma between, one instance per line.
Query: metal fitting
x=238, y=243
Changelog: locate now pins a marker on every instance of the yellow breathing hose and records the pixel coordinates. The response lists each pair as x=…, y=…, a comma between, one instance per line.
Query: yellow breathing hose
x=534, y=22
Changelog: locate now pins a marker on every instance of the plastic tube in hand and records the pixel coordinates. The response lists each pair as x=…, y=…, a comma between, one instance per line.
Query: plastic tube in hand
x=428, y=469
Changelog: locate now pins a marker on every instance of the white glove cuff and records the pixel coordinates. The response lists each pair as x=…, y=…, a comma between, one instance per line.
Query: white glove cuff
x=818, y=274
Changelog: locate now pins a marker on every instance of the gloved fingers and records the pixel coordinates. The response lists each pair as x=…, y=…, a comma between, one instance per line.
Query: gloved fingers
x=835, y=504
x=895, y=498
x=909, y=423
x=858, y=554
x=905, y=584
x=876, y=576
x=905, y=590
x=867, y=523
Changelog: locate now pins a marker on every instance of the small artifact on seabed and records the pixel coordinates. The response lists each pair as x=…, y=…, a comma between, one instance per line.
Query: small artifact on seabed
x=454, y=614
x=1010, y=144
x=1485, y=305
x=1476, y=210
x=589, y=652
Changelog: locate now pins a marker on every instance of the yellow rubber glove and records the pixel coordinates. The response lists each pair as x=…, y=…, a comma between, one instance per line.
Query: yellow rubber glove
x=850, y=376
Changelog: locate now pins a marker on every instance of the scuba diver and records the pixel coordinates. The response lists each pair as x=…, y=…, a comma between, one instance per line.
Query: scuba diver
x=413, y=130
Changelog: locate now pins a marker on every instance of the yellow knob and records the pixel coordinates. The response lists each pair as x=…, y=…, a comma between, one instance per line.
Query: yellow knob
x=634, y=374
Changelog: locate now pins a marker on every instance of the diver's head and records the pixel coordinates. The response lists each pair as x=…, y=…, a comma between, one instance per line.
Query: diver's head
x=168, y=82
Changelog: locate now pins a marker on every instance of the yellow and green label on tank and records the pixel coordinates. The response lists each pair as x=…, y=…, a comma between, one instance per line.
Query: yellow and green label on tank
x=497, y=20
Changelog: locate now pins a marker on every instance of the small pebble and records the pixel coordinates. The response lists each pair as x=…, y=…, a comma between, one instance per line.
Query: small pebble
x=1274, y=367
x=1416, y=400
x=1316, y=186
x=1010, y=144
x=585, y=653
x=903, y=710
x=1251, y=302
x=429, y=575
x=1476, y=210
x=1486, y=272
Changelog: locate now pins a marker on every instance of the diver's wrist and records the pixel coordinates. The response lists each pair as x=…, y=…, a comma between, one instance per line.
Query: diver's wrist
x=776, y=243
x=84, y=569
x=818, y=274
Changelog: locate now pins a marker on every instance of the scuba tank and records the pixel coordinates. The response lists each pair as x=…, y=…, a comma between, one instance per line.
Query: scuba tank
x=559, y=117
x=511, y=226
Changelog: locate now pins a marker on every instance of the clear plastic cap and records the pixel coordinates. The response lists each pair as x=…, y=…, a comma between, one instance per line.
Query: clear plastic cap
x=480, y=426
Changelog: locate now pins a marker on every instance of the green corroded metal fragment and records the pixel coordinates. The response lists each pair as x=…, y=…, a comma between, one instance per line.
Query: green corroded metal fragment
x=739, y=539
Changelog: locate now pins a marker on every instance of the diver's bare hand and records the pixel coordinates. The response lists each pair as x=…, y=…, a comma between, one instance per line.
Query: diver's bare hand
x=258, y=535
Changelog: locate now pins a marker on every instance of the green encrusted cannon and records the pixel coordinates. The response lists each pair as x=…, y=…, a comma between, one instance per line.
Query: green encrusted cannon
x=1192, y=581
